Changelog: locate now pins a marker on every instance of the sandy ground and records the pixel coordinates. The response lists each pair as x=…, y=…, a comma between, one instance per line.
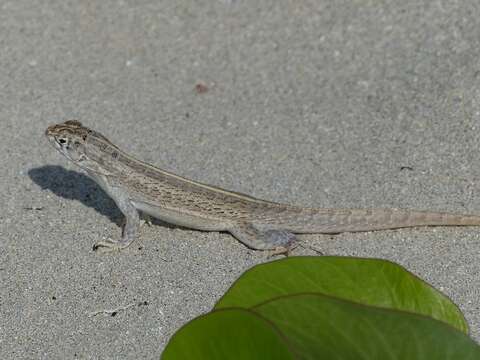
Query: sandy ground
x=317, y=103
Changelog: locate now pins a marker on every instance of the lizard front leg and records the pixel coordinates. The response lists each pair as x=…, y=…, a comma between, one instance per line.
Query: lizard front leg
x=132, y=222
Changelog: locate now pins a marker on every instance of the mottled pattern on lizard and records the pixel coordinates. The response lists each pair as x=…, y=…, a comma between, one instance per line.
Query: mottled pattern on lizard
x=137, y=186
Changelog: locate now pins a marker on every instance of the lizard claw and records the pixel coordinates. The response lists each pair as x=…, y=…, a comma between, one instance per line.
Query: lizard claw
x=109, y=245
x=146, y=220
x=282, y=250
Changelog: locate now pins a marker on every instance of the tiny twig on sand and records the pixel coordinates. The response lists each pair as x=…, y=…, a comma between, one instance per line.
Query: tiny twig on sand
x=111, y=312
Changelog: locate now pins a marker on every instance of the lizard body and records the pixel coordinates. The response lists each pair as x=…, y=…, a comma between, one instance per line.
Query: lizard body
x=137, y=186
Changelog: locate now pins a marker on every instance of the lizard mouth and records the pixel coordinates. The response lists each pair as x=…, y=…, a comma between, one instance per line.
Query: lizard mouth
x=49, y=134
x=52, y=139
x=52, y=135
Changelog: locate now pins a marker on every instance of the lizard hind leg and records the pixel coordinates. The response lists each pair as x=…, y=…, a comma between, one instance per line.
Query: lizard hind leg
x=281, y=241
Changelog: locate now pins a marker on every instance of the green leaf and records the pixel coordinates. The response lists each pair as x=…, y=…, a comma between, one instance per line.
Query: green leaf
x=228, y=334
x=322, y=327
x=368, y=281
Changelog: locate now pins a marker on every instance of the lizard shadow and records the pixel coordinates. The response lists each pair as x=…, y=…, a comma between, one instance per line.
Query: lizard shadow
x=74, y=185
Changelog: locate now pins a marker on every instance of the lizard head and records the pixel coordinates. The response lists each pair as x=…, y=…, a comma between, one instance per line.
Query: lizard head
x=84, y=147
x=69, y=139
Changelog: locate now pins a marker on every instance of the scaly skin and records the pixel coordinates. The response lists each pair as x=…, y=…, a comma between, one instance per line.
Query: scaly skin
x=137, y=186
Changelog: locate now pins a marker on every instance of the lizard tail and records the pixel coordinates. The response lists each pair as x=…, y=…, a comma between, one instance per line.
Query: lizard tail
x=355, y=220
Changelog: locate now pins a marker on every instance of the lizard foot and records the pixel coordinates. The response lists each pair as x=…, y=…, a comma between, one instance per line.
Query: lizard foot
x=146, y=220
x=280, y=241
x=109, y=245
x=283, y=250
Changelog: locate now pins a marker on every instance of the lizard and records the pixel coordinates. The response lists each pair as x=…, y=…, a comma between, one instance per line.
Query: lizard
x=136, y=186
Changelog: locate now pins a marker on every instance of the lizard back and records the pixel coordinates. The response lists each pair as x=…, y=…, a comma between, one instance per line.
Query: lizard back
x=110, y=166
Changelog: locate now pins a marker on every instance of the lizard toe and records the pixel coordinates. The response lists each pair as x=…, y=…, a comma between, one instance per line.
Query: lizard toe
x=108, y=245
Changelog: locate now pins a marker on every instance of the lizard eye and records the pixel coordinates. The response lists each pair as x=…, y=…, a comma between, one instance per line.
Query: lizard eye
x=62, y=141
